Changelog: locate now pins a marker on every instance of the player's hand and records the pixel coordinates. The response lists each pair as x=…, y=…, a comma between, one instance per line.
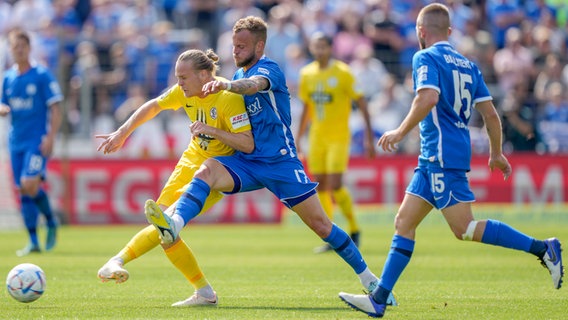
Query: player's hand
x=46, y=146
x=4, y=110
x=389, y=140
x=500, y=162
x=213, y=87
x=111, y=143
x=199, y=128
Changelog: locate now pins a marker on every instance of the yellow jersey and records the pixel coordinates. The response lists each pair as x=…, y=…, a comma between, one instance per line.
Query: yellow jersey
x=328, y=95
x=224, y=110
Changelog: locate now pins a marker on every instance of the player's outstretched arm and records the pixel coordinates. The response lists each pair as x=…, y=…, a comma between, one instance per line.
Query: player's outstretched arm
x=423, y=102
x=113, y=141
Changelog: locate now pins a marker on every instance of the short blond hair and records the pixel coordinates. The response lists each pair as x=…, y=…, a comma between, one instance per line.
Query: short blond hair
x=435, y=17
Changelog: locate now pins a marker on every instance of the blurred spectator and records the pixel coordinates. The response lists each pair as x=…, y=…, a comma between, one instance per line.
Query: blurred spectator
x=141, y=14
x=115, y=82
x=502, y=15
x=553, y=123
x=536, y=10
x=349, y=37
x=102, y=28
x=282, y=33
x=316, y=19
x=30, y=14
x=513, y=62
x=551, y=73
x=519, y=118
x=164, y=54
x=384, y=32
x=369, y=72
x=5, y=17
x=239, y=9
x=68, y=26
x=296, y=58
x=84, y=81
x=202, y=14
x=135, y=49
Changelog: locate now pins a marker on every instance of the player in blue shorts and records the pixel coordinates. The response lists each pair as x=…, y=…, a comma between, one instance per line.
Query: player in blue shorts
x=447, y=86
x=273, y=164
x=31, y=95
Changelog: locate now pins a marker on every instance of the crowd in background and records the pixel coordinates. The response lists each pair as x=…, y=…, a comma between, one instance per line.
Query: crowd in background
x=111, y=56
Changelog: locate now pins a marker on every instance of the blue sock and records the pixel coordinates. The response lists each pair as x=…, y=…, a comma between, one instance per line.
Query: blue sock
x=191, y=201
x=498, y=233
x=30, y=213
x=42, y=202
x=397, y=260
x=340, y=241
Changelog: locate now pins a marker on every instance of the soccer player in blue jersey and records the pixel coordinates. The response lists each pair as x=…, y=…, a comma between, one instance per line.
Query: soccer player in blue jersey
x=273, y=164
x=447, y=86
x=31, y=95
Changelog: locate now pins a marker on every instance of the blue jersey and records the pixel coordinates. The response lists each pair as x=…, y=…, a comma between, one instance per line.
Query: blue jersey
x=444, y=133
x=269, y=112
x=29, y=96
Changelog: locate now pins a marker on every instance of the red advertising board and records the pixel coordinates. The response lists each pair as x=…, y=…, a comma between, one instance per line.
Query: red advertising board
x=114, y=191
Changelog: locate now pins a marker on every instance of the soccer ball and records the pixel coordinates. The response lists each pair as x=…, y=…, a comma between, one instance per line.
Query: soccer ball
x=26, y=282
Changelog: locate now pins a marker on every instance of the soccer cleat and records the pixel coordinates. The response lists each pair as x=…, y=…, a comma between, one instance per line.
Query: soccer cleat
x=552, y=260
x=391, y=300
x=51, y=238
x=323, y=248
x=113, y=270
x=30, y=248
x=355, y=237
x=197, y=300
x=162, y=222
x=364, y=303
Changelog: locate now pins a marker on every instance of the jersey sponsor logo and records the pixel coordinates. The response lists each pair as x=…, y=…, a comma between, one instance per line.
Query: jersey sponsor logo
x=240, y=120
x=319, y=97
x=213, y=113
x=54, y=86
x=254, y=108
x=21, y=104
x=263, y=71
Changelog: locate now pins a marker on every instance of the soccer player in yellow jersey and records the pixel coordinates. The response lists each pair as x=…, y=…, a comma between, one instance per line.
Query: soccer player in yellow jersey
x=327, y=90
x=220, y=125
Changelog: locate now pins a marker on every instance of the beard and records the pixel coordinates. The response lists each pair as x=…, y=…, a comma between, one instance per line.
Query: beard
x=245, y=61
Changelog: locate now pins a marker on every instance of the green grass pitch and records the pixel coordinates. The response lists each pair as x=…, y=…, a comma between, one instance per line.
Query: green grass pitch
x=270, y=272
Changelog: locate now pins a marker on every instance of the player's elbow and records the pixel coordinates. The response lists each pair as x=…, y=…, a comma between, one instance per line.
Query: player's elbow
x=249, y=148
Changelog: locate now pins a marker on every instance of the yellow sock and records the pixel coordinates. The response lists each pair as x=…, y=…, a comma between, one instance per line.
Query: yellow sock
x=182, y=258
x=142, y=242
x=326, y=203
x=345, y=202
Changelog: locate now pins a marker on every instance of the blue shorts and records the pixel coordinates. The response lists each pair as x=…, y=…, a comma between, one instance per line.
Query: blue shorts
x=285, y=178
x=440, y=187
x=27, y=164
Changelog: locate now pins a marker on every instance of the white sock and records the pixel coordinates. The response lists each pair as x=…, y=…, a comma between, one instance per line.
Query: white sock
x=178, y=222
x=207, y=292
x=367, y=277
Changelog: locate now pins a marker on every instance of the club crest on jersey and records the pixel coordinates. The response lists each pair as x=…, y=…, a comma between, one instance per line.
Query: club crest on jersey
x=332, y=82
x=213, y=113
x=31, y=89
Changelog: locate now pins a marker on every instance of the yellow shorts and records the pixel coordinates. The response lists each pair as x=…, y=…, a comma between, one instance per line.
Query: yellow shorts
x=327, y=157
x=179, y=179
